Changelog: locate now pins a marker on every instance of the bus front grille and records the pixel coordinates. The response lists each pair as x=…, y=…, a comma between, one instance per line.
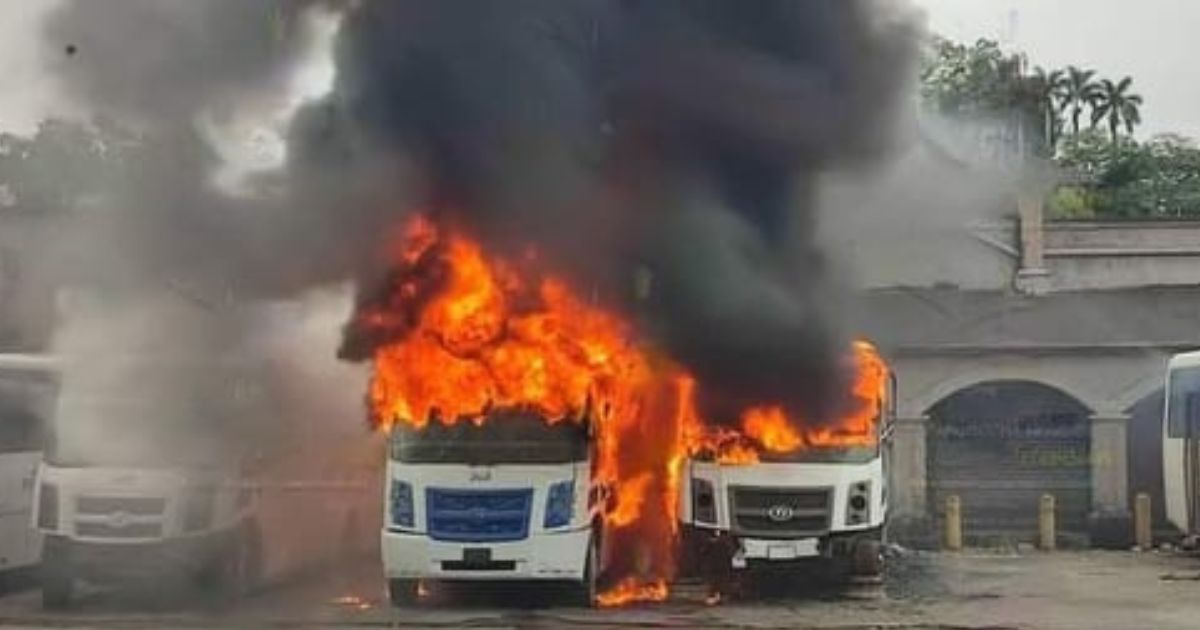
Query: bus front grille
x=478, y=515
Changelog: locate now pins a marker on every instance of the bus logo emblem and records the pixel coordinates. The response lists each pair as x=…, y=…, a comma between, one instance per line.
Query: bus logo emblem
x=780, y=513
x=481, y=474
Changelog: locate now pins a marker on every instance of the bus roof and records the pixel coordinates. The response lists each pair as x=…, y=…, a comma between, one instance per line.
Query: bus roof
x=1185, y=359
x=31, y=363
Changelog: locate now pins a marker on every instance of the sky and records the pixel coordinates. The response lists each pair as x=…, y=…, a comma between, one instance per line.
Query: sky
x=1150, y=40
x=1153, y=41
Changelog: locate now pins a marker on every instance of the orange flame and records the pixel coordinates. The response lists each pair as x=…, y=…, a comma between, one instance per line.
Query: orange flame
x=630, y=590
x=465, y=334
x=492, y=336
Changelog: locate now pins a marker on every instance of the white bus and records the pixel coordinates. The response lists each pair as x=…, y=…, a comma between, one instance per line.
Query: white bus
x=1181, y=437
x=28, y=387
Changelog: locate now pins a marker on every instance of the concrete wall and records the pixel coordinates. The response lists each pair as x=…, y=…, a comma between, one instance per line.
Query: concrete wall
x=1108, y=382
x=1096, y=256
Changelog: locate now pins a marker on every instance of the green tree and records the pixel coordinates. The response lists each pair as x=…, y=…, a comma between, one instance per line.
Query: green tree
x=1047, y=91
x=981, y=78
x=1079, y=90
x=1115, y=103
x=1155, y=179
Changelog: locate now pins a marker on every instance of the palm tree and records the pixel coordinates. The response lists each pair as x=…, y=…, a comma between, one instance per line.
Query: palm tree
x=1078, y=93
x=1115, y=102
x=1047, y=91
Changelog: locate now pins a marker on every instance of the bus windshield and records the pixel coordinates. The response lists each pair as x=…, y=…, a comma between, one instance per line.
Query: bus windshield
x=504, y=438
x=852, y=454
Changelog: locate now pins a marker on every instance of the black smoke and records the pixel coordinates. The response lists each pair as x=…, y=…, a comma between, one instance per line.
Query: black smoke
x=678, y=139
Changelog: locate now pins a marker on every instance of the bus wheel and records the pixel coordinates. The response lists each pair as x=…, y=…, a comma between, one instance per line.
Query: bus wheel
x=586, y=591
x=403, y=592
x=58, y=586
x=867, y=561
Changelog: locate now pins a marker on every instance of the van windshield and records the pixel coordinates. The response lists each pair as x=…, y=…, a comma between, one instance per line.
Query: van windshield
x=858, y=454
x=1182, y=383
x=504, y=438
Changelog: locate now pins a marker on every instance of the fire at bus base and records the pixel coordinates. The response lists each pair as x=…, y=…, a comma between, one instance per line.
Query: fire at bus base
x=533, y=436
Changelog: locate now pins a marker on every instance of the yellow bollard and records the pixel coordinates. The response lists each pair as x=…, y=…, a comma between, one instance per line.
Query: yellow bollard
x=1142, y=532
x=1046, y=523
x=953, y=523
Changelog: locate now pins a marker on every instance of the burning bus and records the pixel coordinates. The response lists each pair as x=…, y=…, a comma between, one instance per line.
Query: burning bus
x=532, y=436
x=508, y=497
x=776, y=495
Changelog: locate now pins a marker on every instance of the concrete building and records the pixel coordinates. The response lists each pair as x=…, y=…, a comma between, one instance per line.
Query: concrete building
x=1032, y=361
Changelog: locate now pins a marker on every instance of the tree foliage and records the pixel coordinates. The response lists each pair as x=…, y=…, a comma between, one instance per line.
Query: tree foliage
x=1085, y=123
x=981, y=78
x=1114, y=103
x=1159, y=178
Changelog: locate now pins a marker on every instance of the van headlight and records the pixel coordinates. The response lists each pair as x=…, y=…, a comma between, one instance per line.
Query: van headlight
x=403, y=514
x=704, y=502
x=560, y=505
x=47, y=516
x=858, y=503
x=198, y=509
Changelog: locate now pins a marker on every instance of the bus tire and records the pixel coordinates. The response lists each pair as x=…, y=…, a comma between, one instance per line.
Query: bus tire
x=403, y=592
x=250, y=556
x=586, y=591
x=58, y=585
x=57, y=591
x=867, y=559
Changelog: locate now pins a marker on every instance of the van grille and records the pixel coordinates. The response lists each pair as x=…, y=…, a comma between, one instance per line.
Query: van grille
x=140, y=506
x=780, y=512
x=478, y=515
x=130, y=530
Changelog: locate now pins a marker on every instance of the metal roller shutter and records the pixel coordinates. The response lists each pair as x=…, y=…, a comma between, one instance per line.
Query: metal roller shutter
x=1000, y=446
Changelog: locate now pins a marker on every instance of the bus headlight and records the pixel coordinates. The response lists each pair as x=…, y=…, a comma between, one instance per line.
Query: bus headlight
x=704, y=502
x=47, y=516
x=858, y=503
x=403, y=514
x=560, y=505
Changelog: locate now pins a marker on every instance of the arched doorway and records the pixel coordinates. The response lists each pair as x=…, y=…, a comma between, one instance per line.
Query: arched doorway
x=999, y=446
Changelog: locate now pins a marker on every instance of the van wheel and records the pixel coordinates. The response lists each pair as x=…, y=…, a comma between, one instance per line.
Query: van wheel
x=57, y=590
x=403, y=592
x=586, y=592
x=58, y=586
x=867, y=561
x=250, y=557
x=235, y=569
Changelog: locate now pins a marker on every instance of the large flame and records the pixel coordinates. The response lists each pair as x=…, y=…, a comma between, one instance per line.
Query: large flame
x=463, y=333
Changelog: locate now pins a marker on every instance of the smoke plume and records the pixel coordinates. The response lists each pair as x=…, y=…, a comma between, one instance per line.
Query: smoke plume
x=678, y=141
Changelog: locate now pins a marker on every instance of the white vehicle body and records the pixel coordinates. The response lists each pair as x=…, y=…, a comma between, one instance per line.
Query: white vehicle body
x=780, y=514
x=783, y=512
x=528, y=550
x=1181, y=436
x=120, y=500
x=226, y=532
x=28, y=386
x=121, y=522
x=471, y=521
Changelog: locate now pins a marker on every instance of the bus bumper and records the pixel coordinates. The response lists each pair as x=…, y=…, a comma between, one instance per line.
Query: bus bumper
x=545, y=556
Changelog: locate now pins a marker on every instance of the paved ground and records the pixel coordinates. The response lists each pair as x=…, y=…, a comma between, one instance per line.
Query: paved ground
x=978, y=590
